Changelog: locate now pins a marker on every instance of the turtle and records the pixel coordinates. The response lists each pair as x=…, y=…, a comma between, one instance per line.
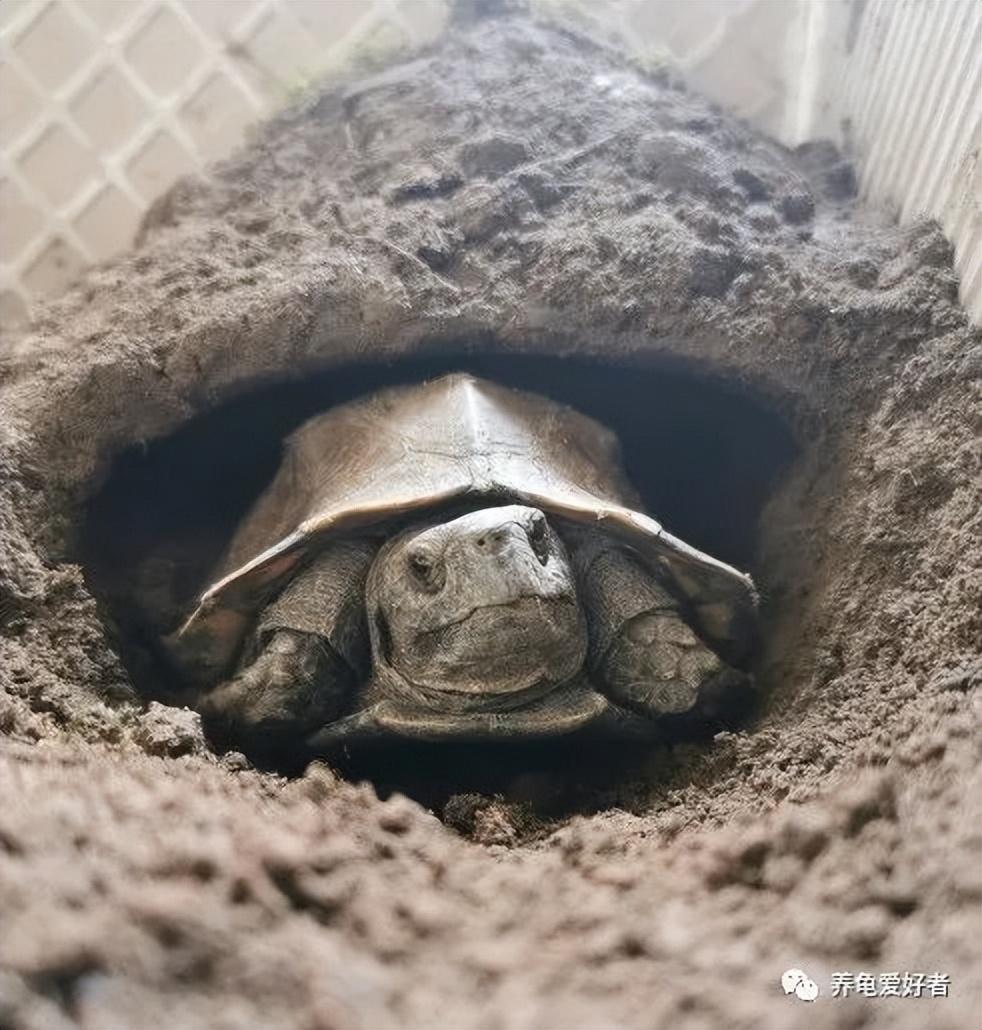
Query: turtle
x=458, y=559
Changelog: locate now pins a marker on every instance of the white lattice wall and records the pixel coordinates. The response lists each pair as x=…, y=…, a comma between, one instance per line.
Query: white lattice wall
x=104, y=103
x=906, y=98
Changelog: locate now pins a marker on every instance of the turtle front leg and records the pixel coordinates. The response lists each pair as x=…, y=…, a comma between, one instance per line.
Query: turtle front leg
x=643, y=653
x=309, y=654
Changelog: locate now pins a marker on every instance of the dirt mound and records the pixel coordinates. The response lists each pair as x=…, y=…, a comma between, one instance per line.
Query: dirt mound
x=513, y=194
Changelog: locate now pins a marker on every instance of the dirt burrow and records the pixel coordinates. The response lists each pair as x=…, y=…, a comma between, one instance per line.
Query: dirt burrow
x=514, y=190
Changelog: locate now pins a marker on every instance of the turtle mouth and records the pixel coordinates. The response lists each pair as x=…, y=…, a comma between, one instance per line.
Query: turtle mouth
x=490, y=659
x=565, y=709
x=507, y=618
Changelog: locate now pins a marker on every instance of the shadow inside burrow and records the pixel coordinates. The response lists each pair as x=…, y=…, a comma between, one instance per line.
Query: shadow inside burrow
x=703, y=454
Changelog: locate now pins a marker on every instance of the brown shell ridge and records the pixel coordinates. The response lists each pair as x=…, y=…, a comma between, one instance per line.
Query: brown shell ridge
x=416, y=448
x=269, y=566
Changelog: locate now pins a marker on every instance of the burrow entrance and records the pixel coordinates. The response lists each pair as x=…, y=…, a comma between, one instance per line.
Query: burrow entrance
x=703, y=455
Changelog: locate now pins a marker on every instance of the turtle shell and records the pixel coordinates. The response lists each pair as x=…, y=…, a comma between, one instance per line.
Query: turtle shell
x=451, y=440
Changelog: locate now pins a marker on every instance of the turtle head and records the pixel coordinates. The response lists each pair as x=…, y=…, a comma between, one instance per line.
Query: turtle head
x=476, y=613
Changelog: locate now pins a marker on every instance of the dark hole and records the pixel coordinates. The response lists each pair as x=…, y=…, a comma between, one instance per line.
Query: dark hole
x=704, y=456
x=554, y=777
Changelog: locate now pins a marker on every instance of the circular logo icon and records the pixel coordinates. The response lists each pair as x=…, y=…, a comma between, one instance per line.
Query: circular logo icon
x=797, y=982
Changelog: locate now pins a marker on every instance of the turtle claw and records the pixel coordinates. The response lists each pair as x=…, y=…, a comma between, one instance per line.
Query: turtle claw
x=363, y=725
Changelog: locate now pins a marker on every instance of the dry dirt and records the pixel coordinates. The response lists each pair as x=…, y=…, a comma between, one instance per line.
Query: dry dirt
x=513, y=191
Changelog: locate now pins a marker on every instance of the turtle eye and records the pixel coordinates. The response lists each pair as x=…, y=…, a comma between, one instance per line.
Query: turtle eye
x=421, y=566
x=538, y=534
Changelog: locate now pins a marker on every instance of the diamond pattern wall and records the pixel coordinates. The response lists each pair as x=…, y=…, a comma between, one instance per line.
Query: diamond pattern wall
x=104, y=103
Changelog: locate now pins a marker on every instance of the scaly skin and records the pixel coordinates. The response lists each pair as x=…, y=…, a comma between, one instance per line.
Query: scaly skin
x=295, y=685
